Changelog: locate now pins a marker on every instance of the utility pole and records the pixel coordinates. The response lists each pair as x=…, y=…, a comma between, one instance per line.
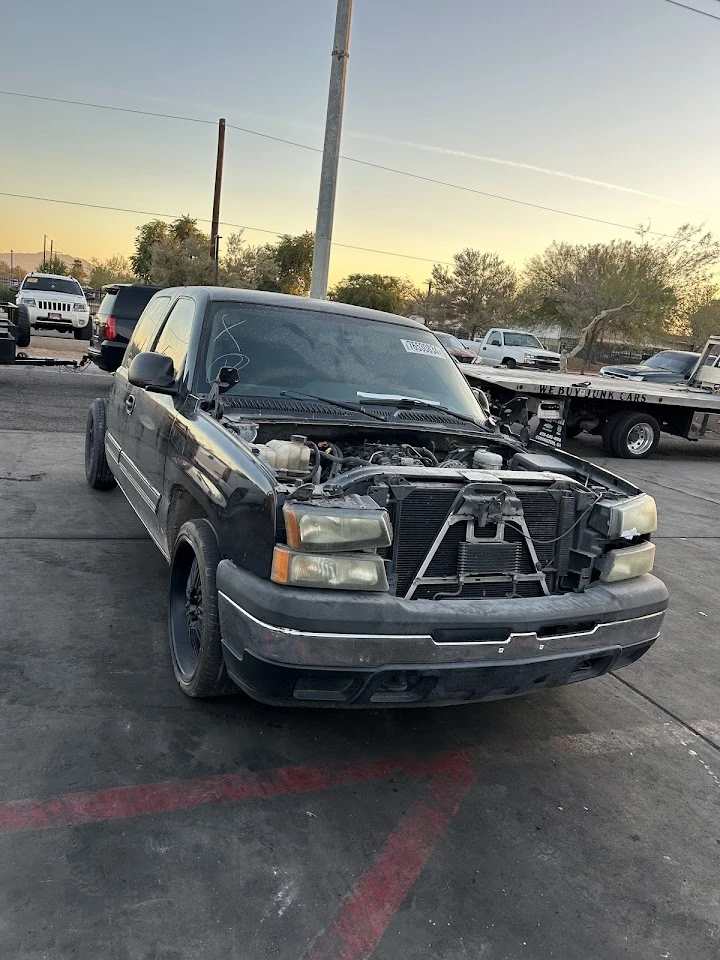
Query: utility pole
x=331, y=151
x=51, y=248
x=44, y=247
x=214, y=238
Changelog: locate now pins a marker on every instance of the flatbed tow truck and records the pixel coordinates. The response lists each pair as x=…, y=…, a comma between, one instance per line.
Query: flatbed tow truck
x=628, y=415
x=12, y=336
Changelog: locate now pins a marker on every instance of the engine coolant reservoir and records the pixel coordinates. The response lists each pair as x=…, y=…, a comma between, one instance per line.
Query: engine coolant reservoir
x=290, y=455
x=485, y=460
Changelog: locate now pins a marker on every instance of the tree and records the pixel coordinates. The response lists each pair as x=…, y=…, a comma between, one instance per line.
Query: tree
x=55, y=266
x=179, y=263
x=376, y=291
x=477, y=292
x=78, y=271
x=293, y=258
x=115, y=269
x=148, y=235
x=633, y=290
x=247, y=267
x=704, y=322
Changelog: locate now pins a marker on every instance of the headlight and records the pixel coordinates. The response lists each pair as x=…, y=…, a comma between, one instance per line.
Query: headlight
x=340, y=572
x=626, y=520
x=80, y=307
x=28, y=302
x=329, y=529
x=627, y=563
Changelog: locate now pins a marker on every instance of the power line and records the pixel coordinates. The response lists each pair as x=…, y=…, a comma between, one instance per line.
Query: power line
x=225, y=223
x=356, y=160
x=702, y=13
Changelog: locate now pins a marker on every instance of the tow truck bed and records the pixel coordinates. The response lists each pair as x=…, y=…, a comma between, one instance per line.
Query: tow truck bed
x=630, y=415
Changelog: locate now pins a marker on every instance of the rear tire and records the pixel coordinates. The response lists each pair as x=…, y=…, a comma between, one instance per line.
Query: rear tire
x=23, y=325
x=194, y=622
x=97, y=470
x=608, y=433
x=636, y=436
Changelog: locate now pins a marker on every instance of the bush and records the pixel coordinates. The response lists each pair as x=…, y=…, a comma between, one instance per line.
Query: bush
x=7, y=295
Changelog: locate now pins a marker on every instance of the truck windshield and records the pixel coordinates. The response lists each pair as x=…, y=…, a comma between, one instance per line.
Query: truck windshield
x=675, y=362
x=451, y=342
x=522, y=340
x=332, y=355
x=53, y=285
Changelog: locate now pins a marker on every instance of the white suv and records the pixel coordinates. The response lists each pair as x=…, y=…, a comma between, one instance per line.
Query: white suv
x=55, y=302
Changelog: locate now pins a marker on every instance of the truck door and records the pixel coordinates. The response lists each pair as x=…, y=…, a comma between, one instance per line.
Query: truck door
x=123, y=395
x=491, y=352
x=151, y=418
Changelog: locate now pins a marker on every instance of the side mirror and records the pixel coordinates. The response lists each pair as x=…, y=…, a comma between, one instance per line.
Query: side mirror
x=227, y=378
x=153, y=372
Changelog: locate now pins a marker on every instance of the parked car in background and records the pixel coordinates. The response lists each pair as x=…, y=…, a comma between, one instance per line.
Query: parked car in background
x=119, y=312
x=517, y=348
x=472, y=345
x=455, y=348
x=49, y=301
x=668, y=366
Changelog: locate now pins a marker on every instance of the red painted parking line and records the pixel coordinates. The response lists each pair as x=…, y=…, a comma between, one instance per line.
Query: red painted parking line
x=366, y=913
x=116, y=803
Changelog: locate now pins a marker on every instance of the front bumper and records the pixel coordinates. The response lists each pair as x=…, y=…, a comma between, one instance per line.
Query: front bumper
x=69, y=318
x=286, y=645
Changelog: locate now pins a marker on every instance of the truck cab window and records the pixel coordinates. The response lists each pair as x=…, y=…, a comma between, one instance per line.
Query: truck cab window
x=147, y=327
x=175, y=335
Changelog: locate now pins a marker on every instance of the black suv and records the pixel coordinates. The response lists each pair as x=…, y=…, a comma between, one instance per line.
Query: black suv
x=115, y=321
x=344, y=523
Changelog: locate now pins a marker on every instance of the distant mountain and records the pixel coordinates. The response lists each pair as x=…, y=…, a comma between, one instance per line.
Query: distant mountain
x=30, y=261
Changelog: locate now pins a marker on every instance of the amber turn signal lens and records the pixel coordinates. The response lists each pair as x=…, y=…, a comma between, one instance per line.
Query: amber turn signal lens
x=281, y=565
x=292, y=528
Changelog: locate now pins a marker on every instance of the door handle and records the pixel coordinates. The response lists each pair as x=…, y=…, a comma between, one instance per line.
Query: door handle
x=129, y=404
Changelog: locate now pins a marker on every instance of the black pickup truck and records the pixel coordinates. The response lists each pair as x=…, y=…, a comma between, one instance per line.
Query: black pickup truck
x=344, y=522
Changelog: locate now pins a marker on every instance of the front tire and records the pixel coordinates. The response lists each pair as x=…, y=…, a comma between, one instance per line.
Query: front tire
x=510, y=363
x=97, y=470
x=194, y=622
x=23, y=325
x=83, y=333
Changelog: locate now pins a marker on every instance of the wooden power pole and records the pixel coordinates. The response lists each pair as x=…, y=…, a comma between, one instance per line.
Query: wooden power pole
x=215, y=229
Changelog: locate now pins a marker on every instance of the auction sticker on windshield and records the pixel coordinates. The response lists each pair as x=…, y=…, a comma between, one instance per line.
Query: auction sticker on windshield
x=429, y=349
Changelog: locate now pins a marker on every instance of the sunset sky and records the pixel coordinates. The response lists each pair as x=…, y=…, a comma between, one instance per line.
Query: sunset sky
x=614, y=101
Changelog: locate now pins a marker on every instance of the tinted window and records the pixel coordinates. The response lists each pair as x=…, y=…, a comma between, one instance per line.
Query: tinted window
x=328, y=354
x=147, y=327
x=131, y=301
x=54, y=285
x=674, y=362
x=173, y=340
x=106, y=307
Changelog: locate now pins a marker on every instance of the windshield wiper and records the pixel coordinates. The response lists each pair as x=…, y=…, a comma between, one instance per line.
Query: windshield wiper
x=407, y=402
x=355, y=407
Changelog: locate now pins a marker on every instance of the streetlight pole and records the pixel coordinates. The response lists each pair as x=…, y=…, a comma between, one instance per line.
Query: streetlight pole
x=331, y=151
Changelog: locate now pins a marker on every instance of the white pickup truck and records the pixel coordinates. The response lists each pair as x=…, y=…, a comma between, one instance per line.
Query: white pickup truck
x=516, y=348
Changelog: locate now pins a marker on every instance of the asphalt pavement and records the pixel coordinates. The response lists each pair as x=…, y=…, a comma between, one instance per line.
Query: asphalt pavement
x=136, y=824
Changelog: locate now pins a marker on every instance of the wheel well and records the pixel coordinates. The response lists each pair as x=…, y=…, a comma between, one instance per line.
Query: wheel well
x=183, y=507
